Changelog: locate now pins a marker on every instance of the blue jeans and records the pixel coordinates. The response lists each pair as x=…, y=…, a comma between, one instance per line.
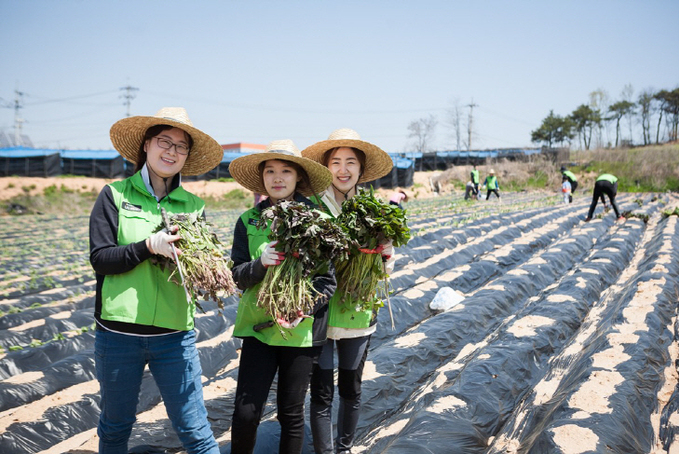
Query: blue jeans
x=175, y=366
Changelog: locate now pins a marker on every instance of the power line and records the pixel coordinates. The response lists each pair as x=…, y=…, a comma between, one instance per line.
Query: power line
x=70, y=98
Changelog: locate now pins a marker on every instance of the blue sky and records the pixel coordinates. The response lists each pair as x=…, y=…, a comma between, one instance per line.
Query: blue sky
x=256, y=71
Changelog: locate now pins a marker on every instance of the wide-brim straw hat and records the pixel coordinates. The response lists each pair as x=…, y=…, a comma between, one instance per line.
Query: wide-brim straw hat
x=377, y=162
x=245, y=169
x=205, y=154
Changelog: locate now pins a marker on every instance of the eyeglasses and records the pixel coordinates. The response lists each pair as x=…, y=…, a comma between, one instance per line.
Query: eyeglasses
x=167, y=145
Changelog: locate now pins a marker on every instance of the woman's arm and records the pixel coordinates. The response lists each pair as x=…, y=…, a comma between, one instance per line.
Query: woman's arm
x=325, y=284
x=246, y=272
x=106, y=256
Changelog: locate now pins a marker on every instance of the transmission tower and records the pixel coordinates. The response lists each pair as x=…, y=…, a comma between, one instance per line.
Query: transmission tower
x=128, y=96
x=471, y=122
x=17, y=105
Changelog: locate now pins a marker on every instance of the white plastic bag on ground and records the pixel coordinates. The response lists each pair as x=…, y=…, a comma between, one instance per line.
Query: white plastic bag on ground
x=445, y=299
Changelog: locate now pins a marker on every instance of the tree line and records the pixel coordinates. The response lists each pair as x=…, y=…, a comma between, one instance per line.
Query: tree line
x=653, y=116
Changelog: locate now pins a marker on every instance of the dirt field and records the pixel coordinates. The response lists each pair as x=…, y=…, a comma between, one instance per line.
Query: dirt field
x=565, y=341
x=14, y=186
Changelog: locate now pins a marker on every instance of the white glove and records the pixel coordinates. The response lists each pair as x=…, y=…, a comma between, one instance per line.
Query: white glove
x=387, y=249
x=270, y=256
x=160, y=243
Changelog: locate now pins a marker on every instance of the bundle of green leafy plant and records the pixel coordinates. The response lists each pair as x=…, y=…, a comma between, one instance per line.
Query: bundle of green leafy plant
x=206, y=272
x=309, y=240
x=369, y=222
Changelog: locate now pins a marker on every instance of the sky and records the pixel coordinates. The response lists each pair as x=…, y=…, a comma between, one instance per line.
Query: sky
x=256, y=71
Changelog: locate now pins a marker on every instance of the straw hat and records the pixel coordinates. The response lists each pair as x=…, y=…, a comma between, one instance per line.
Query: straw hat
x=127, y=135
x=377, y=162
x=245, y=169
x=492, y=172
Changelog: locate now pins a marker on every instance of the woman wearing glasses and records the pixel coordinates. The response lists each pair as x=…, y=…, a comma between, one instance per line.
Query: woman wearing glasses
x=142, y=318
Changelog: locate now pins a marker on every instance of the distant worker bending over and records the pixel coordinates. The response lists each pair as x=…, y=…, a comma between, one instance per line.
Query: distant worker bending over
x=491, y=184
x=605, y=184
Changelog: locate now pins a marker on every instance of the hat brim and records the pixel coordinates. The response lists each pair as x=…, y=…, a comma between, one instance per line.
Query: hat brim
x=127, y=136
x=245, y=170
x=377, y=162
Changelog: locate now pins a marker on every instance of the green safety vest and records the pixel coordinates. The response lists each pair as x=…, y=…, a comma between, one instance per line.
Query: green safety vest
x=347, y=314
x=249, y=314
x=570, y=175
x=143, y=295
x=475, y=176
x=607, y=177
x=492, y=182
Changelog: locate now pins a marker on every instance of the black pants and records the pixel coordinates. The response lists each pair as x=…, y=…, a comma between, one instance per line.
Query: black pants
x=497, y=193
x=600, y=188
x=574, y=186
x=258, y=365
x=351, y=355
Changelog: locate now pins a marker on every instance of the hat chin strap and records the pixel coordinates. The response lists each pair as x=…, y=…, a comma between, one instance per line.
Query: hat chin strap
x=346, y=194
x=167, y=189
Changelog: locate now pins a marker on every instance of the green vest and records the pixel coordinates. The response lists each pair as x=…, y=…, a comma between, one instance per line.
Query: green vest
x=347, y=314
x=492, y=182
x=143, y=295
x=475, y=176
x=249, y=314
x=607, y=177
x=570, y=175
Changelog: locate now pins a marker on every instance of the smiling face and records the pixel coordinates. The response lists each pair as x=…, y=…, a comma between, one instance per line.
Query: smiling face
x=280, y=179
x=345, y=168
x=166, y=163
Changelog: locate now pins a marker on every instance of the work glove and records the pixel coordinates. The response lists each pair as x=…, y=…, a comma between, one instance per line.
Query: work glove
x=386, y=249
x=292, y=324
x=270, y=256
x=160, y=243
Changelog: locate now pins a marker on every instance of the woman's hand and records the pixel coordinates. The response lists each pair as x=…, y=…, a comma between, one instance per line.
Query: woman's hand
x=270, y=256
x=292, y=324
x=160, y=243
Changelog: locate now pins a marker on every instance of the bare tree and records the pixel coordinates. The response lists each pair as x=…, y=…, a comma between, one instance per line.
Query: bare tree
x=628, y=96
x=646, y=108
x=422, y=131
x=454, y=119
x=599, y=100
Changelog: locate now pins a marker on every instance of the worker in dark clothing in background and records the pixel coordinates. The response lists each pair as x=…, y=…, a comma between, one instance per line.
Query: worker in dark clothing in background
x=475, y=179
x=492, y=184
x=605, y=184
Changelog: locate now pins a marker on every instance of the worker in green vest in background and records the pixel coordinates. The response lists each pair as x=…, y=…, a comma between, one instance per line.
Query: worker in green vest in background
x=572, y=179
x=605, y=184
x=491, y=183
x=476, y=179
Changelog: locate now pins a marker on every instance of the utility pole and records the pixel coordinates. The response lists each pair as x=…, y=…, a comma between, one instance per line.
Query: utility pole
x=18, y=121
x=128, y=96
x=471, y=122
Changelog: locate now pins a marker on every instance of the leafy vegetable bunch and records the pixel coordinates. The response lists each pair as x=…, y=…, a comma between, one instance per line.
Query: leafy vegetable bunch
x=205, y=270
x=369, y=222
x=309, y=240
